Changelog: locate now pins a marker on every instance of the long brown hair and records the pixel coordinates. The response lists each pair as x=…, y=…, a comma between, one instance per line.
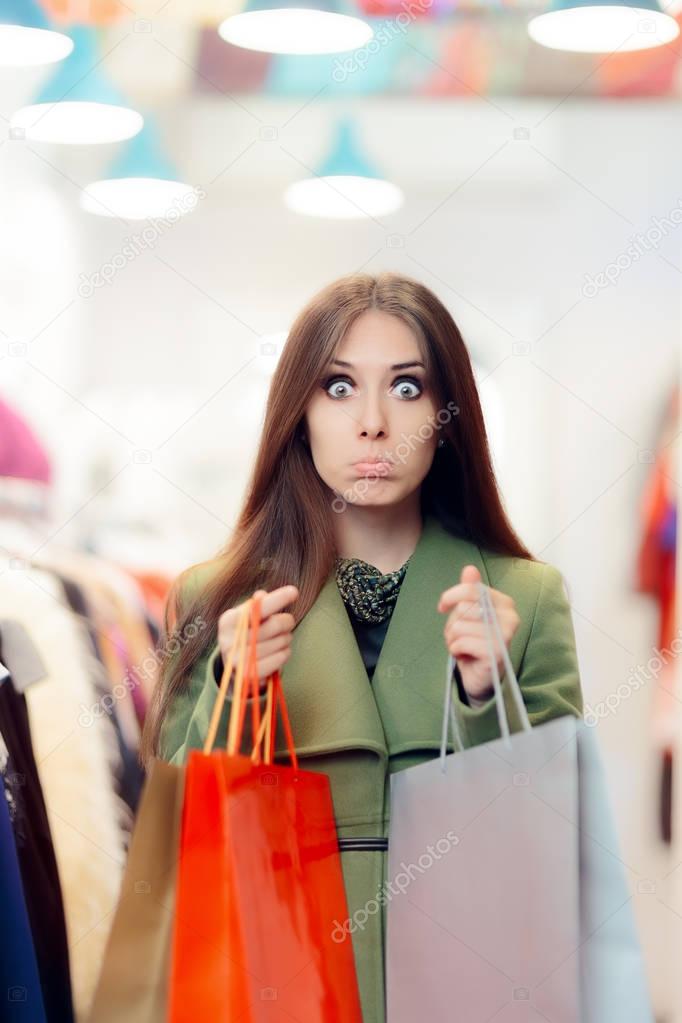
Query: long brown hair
x=284, y=533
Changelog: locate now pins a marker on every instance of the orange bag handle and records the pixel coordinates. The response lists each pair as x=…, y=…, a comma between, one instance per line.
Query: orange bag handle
x=274, y=697
x=238, y=644
x=242, y=691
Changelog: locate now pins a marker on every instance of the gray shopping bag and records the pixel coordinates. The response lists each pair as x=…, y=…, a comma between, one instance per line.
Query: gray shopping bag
x=507, y=899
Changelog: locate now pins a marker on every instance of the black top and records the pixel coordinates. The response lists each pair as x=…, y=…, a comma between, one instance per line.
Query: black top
x=370, y=640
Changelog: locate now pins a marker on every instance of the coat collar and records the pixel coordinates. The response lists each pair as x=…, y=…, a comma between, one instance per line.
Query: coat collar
x=331, y=702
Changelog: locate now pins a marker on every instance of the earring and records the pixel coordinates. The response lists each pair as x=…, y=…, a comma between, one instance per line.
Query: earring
x=441, y=442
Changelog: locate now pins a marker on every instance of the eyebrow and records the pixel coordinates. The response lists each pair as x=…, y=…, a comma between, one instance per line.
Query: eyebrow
x=396, y=365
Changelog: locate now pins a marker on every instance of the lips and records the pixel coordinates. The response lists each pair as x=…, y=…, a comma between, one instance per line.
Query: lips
x=373, y=468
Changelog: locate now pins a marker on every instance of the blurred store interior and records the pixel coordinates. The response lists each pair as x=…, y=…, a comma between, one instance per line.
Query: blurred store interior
x=536, y=190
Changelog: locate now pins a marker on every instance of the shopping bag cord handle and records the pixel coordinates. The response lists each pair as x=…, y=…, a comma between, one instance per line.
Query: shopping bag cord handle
x=225, y=681
x=263, y=729
x=490, y=619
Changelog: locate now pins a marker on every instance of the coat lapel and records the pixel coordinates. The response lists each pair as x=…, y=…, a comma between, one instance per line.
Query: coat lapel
x=328, y=693
x=331, y=702
x=409, y=679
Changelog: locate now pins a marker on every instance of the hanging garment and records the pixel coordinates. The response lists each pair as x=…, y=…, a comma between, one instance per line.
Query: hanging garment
x=22, y=455
x=76, y=753
x=155, y=589
x=102, y=612
x=19, y=981
x=130, y=608
x=130, y=777
x=117, y=607
x=35, y=854
x=655, y=575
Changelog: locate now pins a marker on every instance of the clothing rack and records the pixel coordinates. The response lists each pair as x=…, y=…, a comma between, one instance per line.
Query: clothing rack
x=78, y=662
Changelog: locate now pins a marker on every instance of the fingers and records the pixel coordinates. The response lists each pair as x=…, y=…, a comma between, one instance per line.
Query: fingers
x=273, y=601
x=462, y=591
x=273, y=662
x=467, y=612
x=459, y=627
x=471, y=646
x=470, y=592
x=276, y=600
x=469, y=609
x=465, y=636
x=272, y=646
x=273, y=622
x=270, y=604
x=470, y=639
x=276, y=625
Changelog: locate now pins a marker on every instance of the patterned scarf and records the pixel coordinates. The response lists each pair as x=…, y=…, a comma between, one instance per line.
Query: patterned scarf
x=368, y=594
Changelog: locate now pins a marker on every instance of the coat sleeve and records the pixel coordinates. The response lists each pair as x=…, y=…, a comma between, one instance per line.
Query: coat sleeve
x=186, y=723
x=548, y=675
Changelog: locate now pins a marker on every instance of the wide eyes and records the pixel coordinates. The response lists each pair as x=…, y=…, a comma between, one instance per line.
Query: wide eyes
x=409, y=388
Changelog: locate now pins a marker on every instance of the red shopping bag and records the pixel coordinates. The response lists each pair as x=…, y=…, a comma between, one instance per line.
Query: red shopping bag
x=260, y=883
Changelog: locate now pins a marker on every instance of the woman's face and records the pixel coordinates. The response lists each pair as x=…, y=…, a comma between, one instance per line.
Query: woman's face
x=368, y=409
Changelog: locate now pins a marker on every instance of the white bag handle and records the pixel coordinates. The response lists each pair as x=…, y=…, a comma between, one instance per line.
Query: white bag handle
x=489, y=618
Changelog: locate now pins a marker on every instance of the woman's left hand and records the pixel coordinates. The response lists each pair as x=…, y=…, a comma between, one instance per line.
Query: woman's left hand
x=464, y=631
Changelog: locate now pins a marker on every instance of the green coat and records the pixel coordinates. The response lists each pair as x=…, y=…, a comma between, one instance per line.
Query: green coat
x=358, y=732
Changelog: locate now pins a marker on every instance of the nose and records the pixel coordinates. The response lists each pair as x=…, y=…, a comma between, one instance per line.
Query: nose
x=373, y=422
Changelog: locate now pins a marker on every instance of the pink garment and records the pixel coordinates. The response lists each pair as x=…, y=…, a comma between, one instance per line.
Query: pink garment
x=21, y=453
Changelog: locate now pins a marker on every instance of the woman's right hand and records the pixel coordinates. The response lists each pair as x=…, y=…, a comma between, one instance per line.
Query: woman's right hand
x=273, y=646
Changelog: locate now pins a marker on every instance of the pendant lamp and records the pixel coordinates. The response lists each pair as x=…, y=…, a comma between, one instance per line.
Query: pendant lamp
x=295, y=26
x=141, y=183
x=26, y=38
x=346, y=185
x=78, y=105
x=608, y=26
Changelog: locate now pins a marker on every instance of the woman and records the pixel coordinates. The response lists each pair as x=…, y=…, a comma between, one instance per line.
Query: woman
x=377, y=564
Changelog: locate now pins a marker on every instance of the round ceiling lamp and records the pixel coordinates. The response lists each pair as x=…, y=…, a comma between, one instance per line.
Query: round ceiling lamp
x=26, y=39
x=300, y=27
x=141, y=184
x=77, y=105
x=346, y=185
x=610, y=26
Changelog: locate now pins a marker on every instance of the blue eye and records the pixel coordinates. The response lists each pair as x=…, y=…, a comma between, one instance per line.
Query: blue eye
x=410, y=382
x=402, y=382
x=335, y=381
